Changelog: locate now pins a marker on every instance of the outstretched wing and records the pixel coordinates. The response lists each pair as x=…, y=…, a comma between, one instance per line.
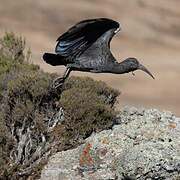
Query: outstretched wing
x=81, y=36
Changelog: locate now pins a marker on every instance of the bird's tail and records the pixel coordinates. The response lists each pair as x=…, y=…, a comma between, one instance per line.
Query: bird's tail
x=54, y=59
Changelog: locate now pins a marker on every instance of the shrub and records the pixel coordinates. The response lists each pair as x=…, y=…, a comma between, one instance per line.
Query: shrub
x=88, y=107
x=28, y=110
x=13, y=46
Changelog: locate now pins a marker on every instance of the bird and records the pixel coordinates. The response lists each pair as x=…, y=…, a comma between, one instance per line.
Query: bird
x=86, y=47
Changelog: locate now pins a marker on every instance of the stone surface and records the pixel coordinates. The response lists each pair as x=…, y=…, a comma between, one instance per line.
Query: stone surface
x=144, y=145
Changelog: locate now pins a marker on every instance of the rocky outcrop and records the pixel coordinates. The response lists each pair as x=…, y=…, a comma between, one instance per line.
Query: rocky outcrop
x=144, y=145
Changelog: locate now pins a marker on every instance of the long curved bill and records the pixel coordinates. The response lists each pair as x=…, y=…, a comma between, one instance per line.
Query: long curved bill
x=141, y=67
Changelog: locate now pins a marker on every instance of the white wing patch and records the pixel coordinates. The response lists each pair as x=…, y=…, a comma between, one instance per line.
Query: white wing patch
x=117, y=30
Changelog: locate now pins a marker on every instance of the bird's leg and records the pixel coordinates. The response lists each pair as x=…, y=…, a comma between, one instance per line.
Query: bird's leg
x=133, y=73
x=60, y=80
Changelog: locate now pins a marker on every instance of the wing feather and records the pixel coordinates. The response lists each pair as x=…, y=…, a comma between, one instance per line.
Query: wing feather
x=81, y=36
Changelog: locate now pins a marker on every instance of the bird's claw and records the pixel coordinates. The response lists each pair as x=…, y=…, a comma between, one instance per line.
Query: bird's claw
x=58, y=83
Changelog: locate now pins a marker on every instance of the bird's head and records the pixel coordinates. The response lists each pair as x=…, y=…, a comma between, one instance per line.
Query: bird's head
x=134, y=65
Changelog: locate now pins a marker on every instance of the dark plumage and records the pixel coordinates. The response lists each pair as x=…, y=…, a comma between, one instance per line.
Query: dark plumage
x=86, y=47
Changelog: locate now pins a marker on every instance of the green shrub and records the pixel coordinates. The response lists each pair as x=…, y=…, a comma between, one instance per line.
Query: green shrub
x=28, y=105
x=14, y=47
x=26, y=95
x=88, y=107
x=98, y=87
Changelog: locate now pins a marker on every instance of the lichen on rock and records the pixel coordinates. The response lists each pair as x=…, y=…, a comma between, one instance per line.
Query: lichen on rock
x=144, y=145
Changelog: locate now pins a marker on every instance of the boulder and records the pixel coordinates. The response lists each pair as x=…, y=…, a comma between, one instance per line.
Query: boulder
x=145, y=144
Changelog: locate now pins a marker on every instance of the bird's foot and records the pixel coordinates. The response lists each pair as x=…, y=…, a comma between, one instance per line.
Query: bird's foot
x=58, y=82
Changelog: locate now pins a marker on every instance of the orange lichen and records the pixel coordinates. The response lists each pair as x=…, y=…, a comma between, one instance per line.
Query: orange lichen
x=89, y=160
x=87, y=149
x=172, y=126
x=84, y=158
x=103, y=153
x=81, y=161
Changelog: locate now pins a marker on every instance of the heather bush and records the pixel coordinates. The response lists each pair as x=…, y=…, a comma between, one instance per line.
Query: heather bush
x=27, y=110
x=88, y=107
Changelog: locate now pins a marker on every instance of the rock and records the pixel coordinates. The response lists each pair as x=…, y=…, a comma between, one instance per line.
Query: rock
x=144, y=145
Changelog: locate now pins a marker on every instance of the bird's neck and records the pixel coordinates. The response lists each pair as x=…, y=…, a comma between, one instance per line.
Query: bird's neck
x=121, y=68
